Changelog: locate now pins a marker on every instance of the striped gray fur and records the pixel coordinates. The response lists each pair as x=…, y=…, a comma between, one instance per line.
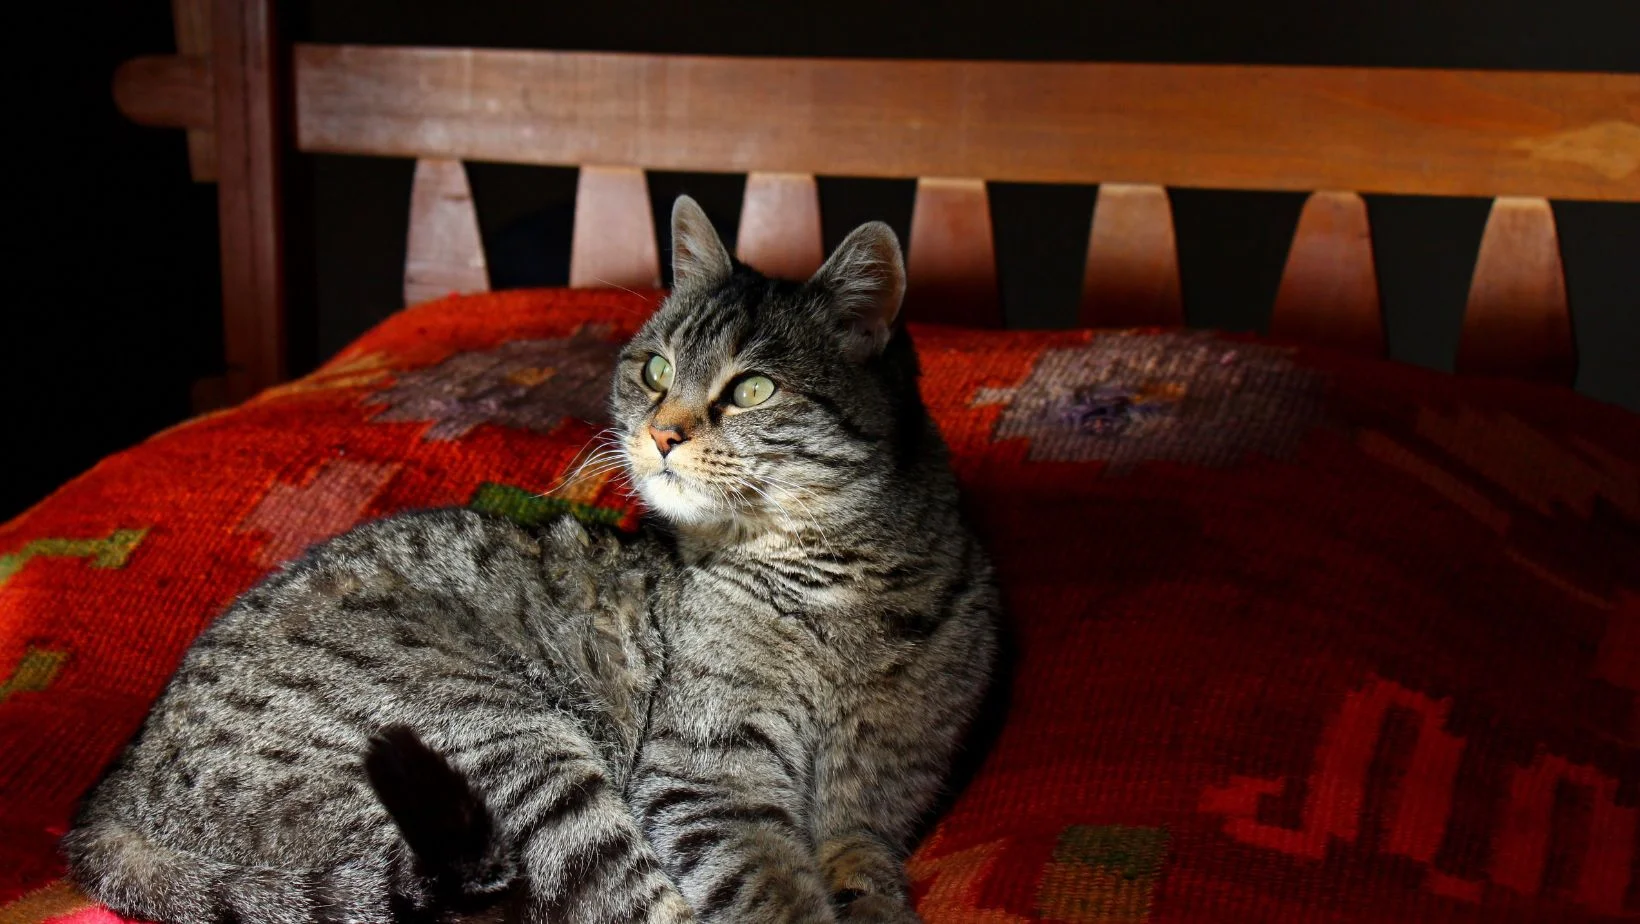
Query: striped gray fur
x=740, y=714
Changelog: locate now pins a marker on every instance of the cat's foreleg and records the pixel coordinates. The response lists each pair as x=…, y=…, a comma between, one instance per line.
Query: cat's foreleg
x=577, y=853
x=729, y=814
x=882, y=767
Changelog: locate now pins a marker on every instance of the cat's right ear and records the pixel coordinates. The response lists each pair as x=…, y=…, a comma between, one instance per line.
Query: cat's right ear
x=865, y=277
x=699, y=259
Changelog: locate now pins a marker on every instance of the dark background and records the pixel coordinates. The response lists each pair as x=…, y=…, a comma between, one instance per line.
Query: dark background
x=111, y=310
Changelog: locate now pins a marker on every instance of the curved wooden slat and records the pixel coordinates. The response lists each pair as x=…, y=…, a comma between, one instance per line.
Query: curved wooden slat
x=1329, y=289
x=1517, y=322
x=951, y=270
x=780, y=225
x=1131, y=278
x=445, y=252
x=614, y=238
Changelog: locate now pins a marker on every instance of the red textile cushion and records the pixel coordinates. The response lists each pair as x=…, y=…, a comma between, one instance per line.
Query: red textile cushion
x=1299, y=638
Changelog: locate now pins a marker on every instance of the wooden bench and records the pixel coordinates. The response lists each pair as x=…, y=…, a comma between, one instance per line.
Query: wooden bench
x=1520, y=139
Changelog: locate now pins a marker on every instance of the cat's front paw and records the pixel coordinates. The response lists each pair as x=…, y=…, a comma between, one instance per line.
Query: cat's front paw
x=855, y=908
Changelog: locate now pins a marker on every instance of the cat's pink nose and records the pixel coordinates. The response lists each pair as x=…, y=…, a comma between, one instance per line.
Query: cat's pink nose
x=666, y=437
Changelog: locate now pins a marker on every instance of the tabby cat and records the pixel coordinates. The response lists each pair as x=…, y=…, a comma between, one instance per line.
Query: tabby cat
x=739, y=714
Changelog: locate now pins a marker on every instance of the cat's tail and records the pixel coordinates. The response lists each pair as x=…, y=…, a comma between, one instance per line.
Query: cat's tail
x=443, y=820
x=120, y=865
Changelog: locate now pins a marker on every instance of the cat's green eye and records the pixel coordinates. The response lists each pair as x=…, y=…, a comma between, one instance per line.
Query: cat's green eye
x=752, y=391
x=657, y=373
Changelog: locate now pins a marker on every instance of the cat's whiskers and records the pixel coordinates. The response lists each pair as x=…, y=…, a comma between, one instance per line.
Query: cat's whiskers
x=797, y=536
x=722, y=495
x=800, y=496
x=614, y=285
x=592, y=468
x=603, y=468
x=597, y=439
x=609, y=455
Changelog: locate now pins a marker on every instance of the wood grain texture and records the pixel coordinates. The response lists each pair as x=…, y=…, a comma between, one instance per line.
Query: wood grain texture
x=1131, y=278
x=614, y=237
x=445, y=252
x=165, y=91
x=1516, y=322
x=191, y=23
x=244, y=63
x=951, y=270
x=780, y=225
x=1329, y=288
x=1465, y=133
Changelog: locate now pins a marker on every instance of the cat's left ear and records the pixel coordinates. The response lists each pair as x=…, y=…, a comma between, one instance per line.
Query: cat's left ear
x=699, y=259
x=865, y=278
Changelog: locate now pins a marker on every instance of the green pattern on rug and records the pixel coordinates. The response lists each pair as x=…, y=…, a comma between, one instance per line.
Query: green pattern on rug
x=530, y=509
x=34, y=673
x=1103, y=874
x=111, y=552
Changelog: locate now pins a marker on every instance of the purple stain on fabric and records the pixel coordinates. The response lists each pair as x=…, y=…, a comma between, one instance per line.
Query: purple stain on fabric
x=1185, y=396
x=521, y=384
x=1103, y=410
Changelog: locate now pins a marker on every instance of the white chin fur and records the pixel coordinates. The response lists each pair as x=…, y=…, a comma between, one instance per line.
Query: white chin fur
x=671, y=499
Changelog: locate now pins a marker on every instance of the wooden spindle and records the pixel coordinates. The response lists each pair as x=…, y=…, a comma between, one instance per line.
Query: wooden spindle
x=1329, y=289
x=614, y=238
x=191, y=23
x=445, y=252
x=1131, y=278
x=245, y=64
x=1517, y=322
x=780, y=225
x=951, y=271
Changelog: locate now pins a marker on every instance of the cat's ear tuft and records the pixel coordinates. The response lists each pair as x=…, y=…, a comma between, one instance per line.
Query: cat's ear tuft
x=699, y=259
x=865, y=278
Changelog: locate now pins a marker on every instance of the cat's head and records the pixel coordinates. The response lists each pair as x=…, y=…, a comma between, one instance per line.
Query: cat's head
x=747, y=401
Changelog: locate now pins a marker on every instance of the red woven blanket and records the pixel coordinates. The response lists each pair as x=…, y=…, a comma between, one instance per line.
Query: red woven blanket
x=1298, y=638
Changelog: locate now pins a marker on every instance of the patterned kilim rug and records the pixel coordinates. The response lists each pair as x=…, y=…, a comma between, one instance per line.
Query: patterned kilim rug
x=1297, y=637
